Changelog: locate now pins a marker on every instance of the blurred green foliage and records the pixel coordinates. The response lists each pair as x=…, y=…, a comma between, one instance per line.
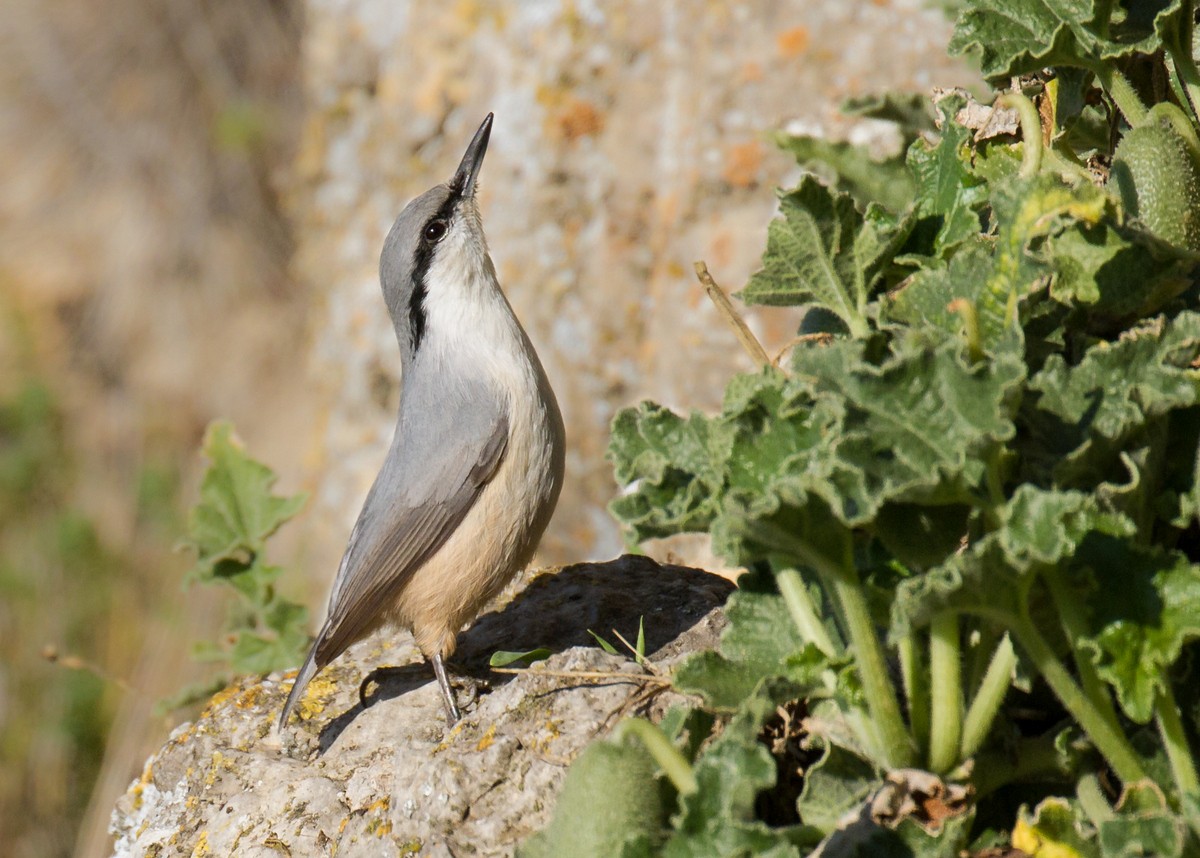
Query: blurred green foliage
x=56, y=578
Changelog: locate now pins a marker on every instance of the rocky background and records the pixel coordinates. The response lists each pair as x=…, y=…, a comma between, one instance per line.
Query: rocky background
x=194, y=200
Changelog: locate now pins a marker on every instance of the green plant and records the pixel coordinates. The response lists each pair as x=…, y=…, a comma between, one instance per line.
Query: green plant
x=228, y=529
x=974, y=492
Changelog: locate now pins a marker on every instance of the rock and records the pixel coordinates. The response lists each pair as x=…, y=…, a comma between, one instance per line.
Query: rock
x=389, y=778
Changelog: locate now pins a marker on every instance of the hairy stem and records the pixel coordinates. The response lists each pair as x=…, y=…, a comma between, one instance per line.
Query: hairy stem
x=1108, y=739
x=1179, y=48
x=991, y=693
x=899, y=749
x=803, y=611
x=1170, y=727
x=1031, y=131
x=674, y=765
x=1075, y=628
x=1121, y=91
x=945, y=669
x=916, y=687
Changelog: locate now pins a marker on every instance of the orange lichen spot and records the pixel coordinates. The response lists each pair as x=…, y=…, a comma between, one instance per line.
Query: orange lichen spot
x=487, y=739
x=791, y=43
x=742, y=163
x=751, y=72
x=579, y=118
x=379, y=805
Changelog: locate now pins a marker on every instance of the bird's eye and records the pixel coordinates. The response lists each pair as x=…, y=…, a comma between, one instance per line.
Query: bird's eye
x=434, y=230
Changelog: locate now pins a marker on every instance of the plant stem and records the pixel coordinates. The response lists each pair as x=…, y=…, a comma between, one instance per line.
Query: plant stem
x=1170, y=727
x=1092, y=800
x=945, y=669
x=1031, y=131
x=991, y=693
x=841, y=577
x=736, y=323
x=803, y=612
x=1121, y=91
x=899, y=748
x=916, y=689
x=668, y=757
x=1179, y=49
x=1075, y=628
x=1108, y=739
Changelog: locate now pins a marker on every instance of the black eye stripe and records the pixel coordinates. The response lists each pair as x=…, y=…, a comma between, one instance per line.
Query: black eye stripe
x=422, y=259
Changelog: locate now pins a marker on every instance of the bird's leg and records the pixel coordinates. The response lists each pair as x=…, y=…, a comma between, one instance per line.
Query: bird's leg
x=439, y=668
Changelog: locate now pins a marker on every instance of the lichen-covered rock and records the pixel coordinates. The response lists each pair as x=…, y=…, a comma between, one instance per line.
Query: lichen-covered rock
x=390, y=778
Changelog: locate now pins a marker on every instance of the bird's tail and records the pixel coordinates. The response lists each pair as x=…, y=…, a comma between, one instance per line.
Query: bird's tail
x=306, y=673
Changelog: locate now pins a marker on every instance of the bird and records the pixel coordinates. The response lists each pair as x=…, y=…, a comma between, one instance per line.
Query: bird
x=476, y=463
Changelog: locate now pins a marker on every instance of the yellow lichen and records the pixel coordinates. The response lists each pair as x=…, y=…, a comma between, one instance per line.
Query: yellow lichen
x=316, y=697
x=487, y=739
x=201, y=850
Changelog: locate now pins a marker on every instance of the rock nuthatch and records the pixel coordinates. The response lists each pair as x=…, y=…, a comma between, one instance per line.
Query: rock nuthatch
x=476, y=463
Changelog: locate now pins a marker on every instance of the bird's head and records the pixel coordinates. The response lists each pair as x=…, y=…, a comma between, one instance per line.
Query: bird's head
x=436, y=250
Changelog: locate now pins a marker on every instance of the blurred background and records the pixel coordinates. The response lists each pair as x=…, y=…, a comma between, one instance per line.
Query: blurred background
x=194, y=195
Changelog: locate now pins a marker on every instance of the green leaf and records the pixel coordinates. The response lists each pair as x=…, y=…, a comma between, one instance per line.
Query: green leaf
x=760, y=644
x=1082, y=416
x=1016, y=37
x=610, y=804
x=946, y=188
x=678, y=463
x=1037, y=528
x=1143, y=825
x=852, y=170
x=910, y=111
x=503, y=658
x=1053, y=828
x=719, y=818
x=1145, y=604
x=237, y=511
x=1111, y=275
x=835, y=785
x=822, y=251
x=604, y=645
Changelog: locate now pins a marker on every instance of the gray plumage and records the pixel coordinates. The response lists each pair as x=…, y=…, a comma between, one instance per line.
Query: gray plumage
x=476, y=463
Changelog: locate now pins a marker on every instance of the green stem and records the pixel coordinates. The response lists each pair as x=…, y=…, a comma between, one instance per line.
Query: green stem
x=1108, y=739
x=1092, y=800
x=674, y=765
x=899, y=749
x=916, y=689
x=991, y=693
x=1121, y=91
x=1179, y=49
x=945, y=669
x=1031, y=131
x=1074, y=626
x=842, y=579
x=803, y=612
x=1170, y=727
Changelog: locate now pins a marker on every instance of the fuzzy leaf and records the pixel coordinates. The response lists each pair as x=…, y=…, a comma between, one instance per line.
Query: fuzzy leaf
x=1020, y=36
x=237, y=511
x=1082, y=416
x=760, y=644
x=822, y=251
x=1145, y=605
x=946, y=189
x=851, y=169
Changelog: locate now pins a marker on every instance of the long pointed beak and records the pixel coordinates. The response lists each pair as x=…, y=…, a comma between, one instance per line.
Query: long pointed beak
x=472, y=160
